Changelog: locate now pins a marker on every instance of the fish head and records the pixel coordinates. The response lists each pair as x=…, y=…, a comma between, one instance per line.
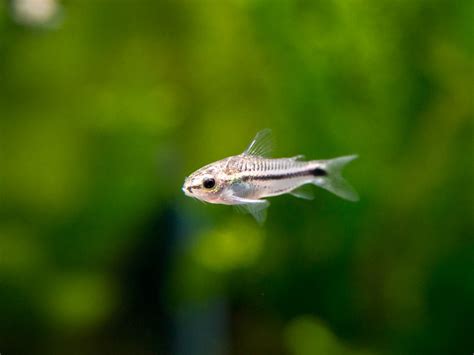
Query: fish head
x=207, y=184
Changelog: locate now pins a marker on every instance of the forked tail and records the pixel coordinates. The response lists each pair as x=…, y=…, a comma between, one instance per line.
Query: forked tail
x=328, y=176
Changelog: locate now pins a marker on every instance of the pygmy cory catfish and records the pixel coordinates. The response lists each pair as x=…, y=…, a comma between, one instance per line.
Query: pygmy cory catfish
x=245, y=180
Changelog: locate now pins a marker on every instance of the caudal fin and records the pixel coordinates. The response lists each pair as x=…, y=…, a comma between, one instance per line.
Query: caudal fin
x=328, y=176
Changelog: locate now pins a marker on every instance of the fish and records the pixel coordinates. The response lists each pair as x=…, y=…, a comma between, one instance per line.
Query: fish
x=247, y=179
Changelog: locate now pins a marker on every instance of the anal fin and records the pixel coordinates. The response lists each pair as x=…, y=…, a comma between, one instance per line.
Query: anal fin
x=303, y=192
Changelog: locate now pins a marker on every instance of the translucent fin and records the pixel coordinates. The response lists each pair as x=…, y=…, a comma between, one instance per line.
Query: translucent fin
x=257, y=209
x=334, y=182
x=261, y=145
x=298, y=157
x=303, y=192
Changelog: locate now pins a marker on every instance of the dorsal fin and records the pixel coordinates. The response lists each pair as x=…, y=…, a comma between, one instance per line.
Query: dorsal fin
x=261, y=145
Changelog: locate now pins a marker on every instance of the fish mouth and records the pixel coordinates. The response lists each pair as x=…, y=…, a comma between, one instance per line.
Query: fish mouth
x=187, y=190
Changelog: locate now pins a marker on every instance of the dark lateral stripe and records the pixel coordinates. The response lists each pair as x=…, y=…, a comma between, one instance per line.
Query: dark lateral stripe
x=319, y=172
x=313, y=172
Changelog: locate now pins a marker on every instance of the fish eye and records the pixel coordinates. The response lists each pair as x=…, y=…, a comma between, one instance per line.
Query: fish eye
x=209, y=183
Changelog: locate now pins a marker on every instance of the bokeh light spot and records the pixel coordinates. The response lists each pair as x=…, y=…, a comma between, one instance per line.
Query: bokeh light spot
x=79, y=301
x=238, y=244
x=308, y=336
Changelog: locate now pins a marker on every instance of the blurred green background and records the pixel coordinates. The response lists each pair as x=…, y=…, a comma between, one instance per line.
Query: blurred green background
x=106, y=106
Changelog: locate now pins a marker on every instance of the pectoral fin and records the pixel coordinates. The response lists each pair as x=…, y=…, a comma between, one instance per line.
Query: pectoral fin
x=257, y=208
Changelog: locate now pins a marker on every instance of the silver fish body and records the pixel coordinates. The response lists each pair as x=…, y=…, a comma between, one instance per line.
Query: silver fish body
x=245, y=180
x=256, y=177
